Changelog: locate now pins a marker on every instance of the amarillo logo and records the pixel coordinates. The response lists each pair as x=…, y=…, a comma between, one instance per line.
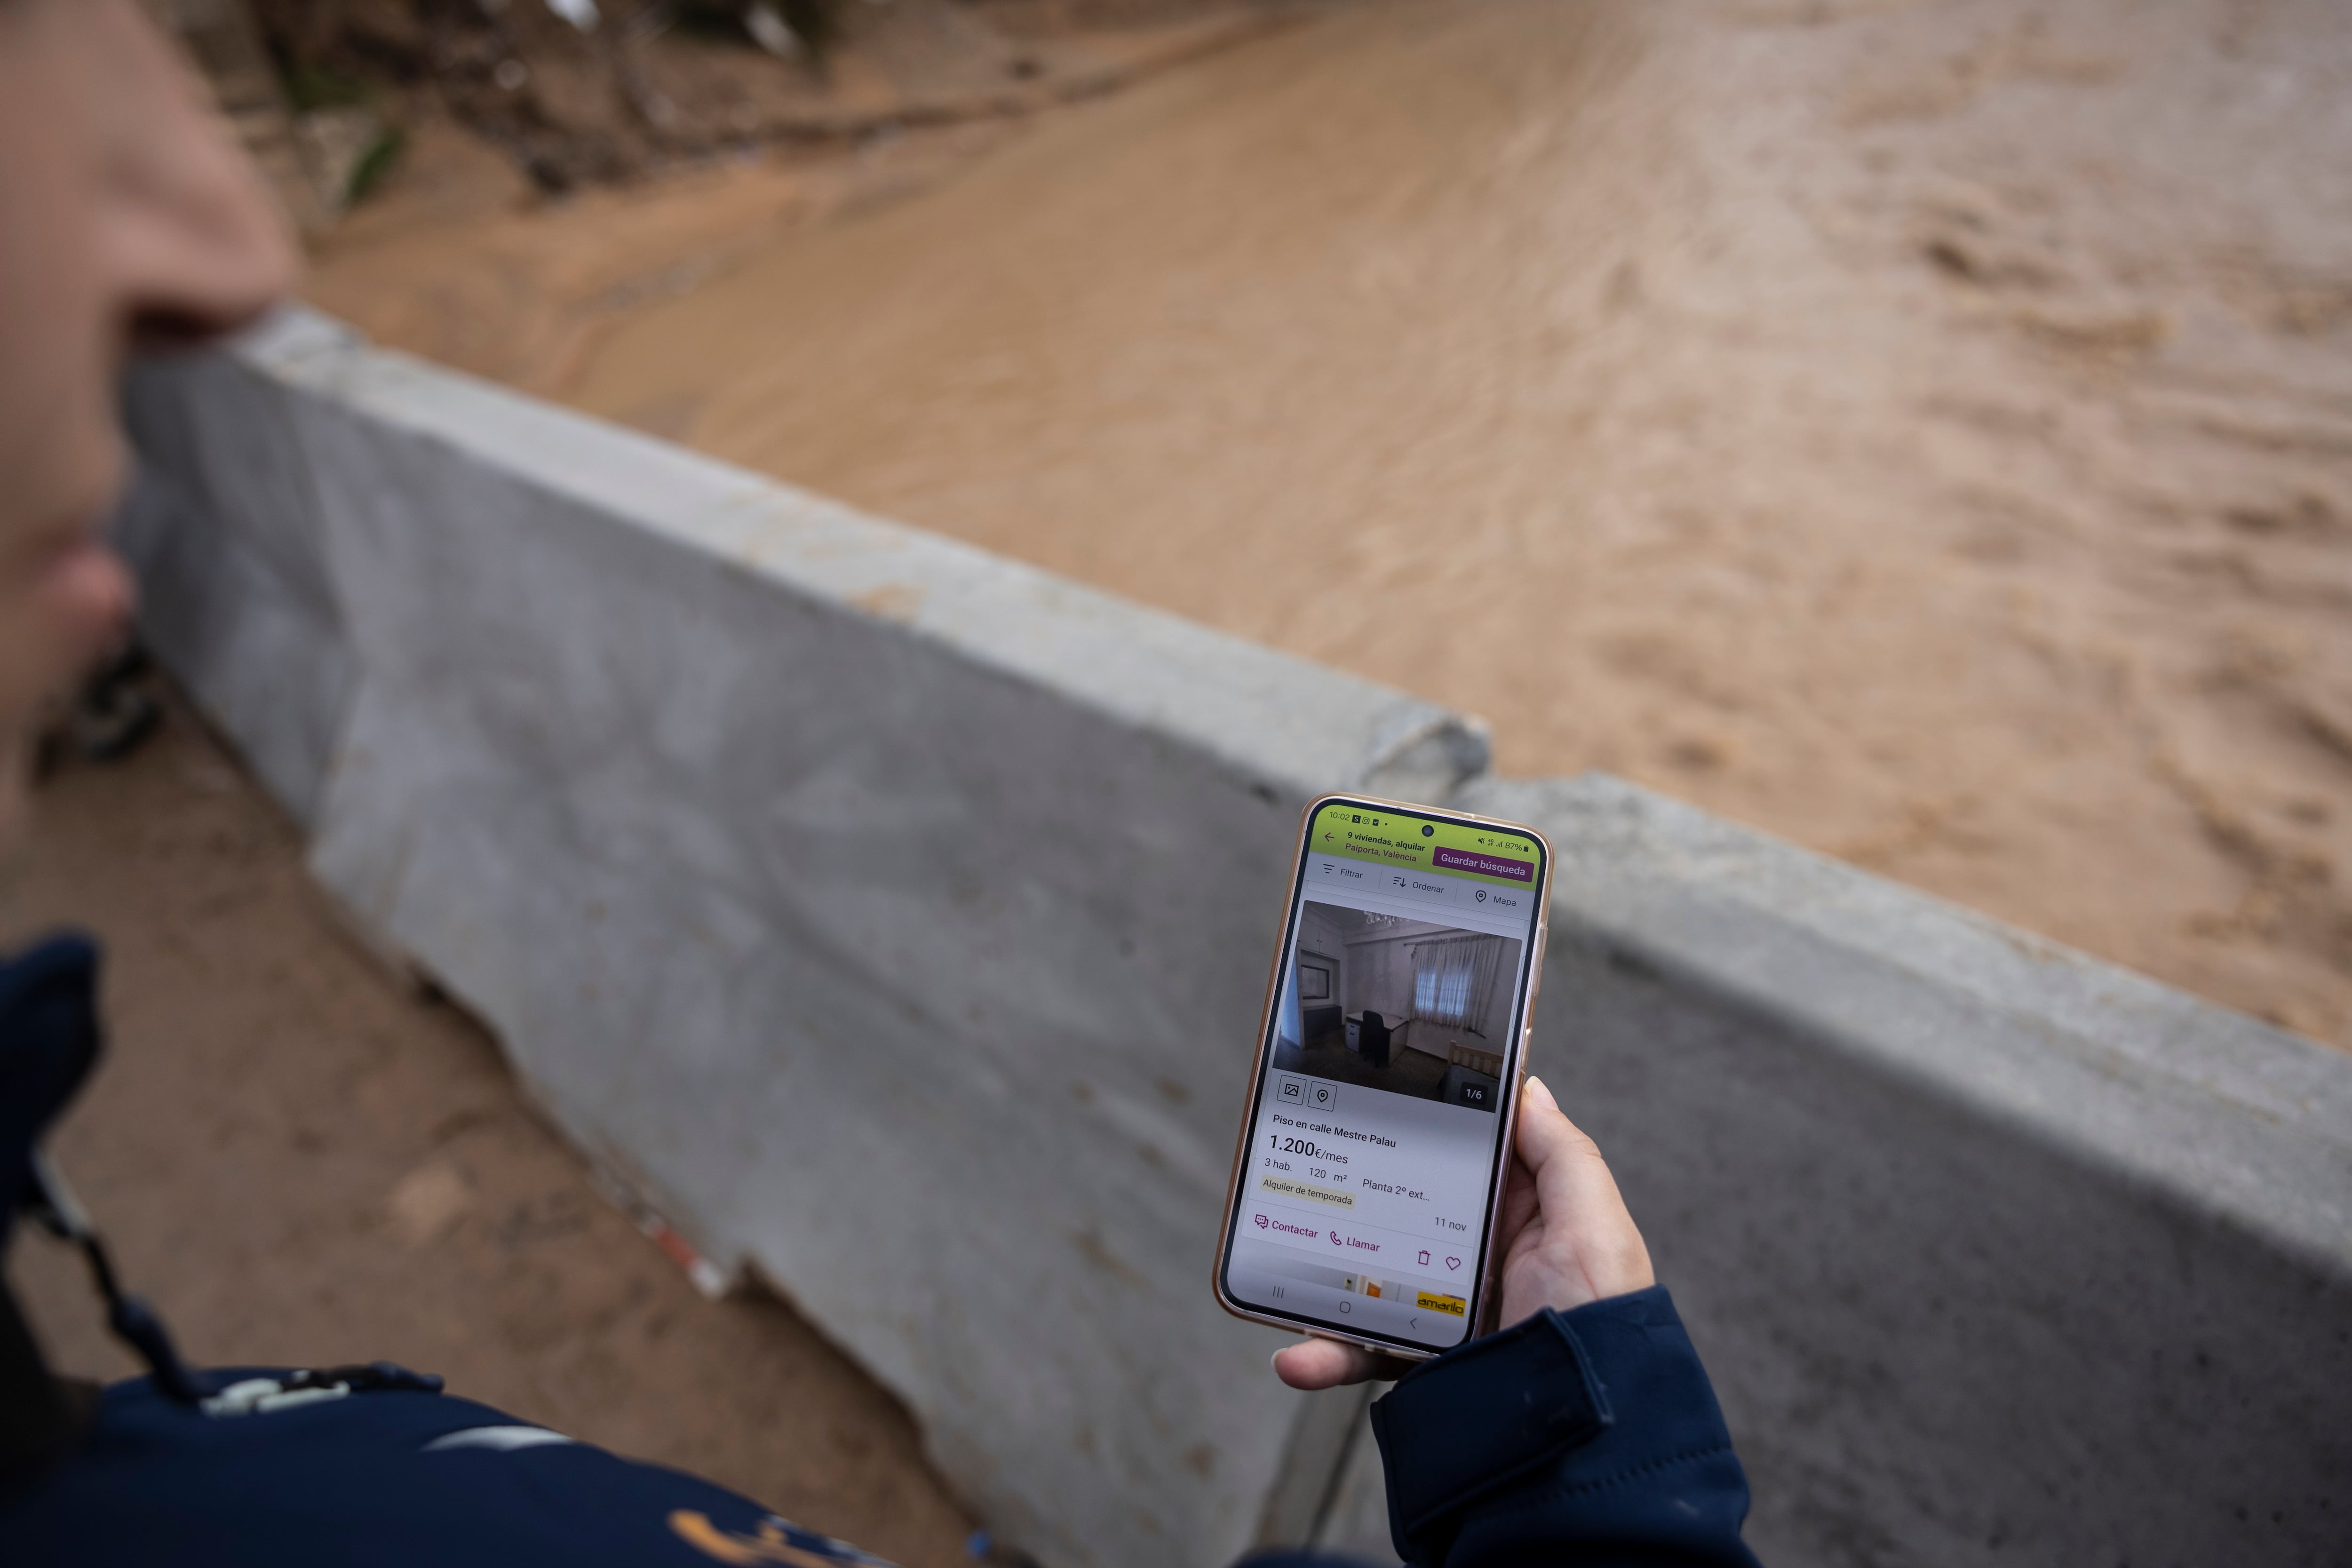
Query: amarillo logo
x=775, y=1541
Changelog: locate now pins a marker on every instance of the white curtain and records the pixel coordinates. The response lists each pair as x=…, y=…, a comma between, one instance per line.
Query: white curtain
x=1451, y=980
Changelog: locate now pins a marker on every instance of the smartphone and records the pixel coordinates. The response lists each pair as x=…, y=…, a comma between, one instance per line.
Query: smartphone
x=1368, y=1176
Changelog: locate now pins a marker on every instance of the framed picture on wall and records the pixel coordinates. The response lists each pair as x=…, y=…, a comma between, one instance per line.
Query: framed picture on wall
x=1314, y=980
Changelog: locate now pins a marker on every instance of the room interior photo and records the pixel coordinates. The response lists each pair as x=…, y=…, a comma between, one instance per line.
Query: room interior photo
x=1401, y=1005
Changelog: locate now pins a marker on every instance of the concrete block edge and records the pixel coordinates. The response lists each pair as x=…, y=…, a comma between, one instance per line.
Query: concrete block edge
x=1144, y=667
x=2215, y=1113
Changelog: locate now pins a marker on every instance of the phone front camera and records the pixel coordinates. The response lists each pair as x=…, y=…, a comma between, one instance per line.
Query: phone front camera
x=1426, y=830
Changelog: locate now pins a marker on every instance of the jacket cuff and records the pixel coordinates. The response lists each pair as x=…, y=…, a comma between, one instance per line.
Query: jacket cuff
x=1481, y=1416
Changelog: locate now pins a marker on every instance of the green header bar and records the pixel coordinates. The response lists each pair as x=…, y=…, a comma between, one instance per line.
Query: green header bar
x=1476, y=850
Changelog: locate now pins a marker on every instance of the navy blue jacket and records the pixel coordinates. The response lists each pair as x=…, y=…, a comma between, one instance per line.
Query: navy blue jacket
x=1588, y=1436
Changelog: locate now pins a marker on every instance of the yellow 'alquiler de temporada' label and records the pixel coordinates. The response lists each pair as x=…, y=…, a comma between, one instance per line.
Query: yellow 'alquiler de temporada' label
x=1284, y=1187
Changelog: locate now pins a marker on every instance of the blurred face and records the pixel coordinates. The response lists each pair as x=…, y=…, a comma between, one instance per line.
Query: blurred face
x=128, y=218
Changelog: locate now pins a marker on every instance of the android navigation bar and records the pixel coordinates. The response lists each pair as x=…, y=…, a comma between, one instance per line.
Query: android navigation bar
x=1434, y=1315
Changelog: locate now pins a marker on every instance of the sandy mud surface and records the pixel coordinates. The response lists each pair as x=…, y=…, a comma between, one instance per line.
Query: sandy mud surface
x=300, y=1163
x=1921, y=430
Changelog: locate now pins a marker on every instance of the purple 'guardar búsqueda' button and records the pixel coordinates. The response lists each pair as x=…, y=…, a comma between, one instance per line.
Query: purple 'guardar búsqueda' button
x=1485, y=864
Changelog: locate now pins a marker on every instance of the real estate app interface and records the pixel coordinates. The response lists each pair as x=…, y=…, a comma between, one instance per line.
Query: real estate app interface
x=1373, y=1140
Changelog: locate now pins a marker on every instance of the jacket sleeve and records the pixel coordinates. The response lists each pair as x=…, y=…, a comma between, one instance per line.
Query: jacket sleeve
x=1590, y=1436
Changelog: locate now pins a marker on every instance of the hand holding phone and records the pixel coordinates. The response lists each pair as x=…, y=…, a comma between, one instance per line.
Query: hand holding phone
x=1566, y=1238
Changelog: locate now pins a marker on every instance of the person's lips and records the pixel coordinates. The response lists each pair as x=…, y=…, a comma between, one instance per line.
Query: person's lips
x=85, y=593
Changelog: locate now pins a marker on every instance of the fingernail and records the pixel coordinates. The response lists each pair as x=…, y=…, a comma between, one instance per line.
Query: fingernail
x=1536, y=1087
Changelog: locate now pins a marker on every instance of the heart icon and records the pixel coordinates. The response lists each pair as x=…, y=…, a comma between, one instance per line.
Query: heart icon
x=1454, y=1263
x=1262, y=1222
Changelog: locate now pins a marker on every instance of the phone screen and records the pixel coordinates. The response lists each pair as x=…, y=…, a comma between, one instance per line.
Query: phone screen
x=1375, y=1132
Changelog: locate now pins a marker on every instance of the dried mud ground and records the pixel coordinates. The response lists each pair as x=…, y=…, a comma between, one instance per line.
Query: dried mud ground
x=1920, y=430
x=301, y=1161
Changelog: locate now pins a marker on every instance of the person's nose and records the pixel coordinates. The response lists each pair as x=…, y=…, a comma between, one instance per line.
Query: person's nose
x=195, y=245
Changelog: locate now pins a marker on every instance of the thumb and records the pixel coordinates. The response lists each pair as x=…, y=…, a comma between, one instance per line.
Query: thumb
x=1551, y=1146
x=1587, y=1237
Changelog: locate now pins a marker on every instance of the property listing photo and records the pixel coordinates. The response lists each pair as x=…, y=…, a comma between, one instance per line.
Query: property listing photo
x=1401, y=1005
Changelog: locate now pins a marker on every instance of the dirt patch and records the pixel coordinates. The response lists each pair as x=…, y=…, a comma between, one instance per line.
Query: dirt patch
x=597, y=92
x=300, y=1163
x=536, y=198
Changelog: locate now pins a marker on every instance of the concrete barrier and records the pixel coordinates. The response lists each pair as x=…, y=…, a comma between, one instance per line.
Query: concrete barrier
x=892, y=918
